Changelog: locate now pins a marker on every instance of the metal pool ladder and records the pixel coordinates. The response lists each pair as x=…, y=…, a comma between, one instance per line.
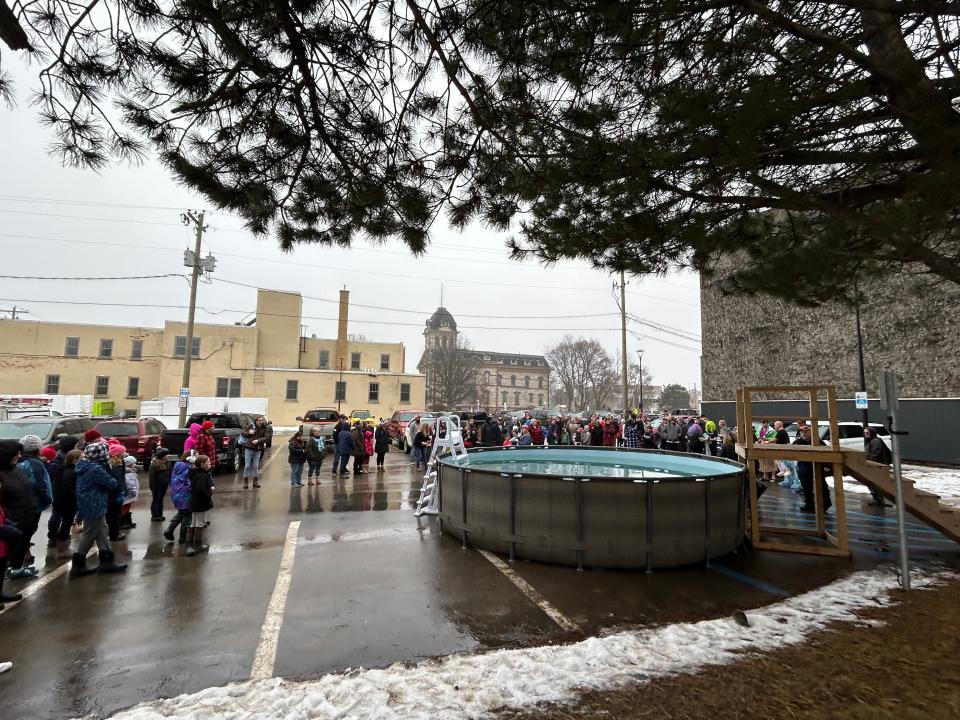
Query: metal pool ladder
x=429, y=500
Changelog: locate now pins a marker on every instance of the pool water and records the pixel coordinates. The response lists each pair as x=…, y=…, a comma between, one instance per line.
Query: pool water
x=572, y=462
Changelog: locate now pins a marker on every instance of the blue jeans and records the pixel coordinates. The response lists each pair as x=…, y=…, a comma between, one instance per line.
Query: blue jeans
x=296, y=473
x=251, y=462
x=419, y=455
x=344, y=459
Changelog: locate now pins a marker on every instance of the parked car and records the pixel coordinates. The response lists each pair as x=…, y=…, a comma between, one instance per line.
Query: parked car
x=397, y=425
x=359, y=416
x=851, y=433
x=140, y=437
x=48, y=429
x=322, y=417
x=227, y=428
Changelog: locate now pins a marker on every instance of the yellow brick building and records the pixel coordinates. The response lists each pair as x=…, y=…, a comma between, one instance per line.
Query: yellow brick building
x=268, y=358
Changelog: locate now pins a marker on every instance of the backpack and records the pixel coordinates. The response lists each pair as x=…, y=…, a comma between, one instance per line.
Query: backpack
x=180, y=486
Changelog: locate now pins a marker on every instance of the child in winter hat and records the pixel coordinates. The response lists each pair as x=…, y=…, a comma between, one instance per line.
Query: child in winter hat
x=96, y=452
x=133, y=491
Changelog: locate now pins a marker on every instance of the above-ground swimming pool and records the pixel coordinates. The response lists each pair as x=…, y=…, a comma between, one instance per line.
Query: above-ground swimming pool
x=594, y=507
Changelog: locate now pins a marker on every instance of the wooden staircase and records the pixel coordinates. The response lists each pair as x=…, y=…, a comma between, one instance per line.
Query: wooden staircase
x=923, y=505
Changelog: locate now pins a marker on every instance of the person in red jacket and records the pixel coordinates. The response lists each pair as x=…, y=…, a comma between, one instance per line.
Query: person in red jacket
x=536, y=433
x=205, y=444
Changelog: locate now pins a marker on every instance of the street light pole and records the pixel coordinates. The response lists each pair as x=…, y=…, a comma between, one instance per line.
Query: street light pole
x=191, y=313
x=623, y=339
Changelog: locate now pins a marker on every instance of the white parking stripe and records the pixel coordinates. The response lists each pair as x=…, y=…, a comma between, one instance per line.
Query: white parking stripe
x=41, y=582
x=532, y=593
x=264, y=660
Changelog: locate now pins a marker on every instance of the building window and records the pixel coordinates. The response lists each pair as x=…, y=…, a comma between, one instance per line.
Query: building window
x=486, y=377
x=516, y=398
x=526, y=381
x=385, y=361
x=292, y=389
x=72, y=347
x=228, y=387
x=513, y=379
x=106, y=348
x=354, y=361
x=404, y=392
x=324, y=359
x=504, y=397
x=540, y=399
x=180, y=347
x=52, y=385
x=374, y=394
x=340, y=391
x=136, y=349
x=133, y=387
x=530, y=398
x=513, y=361
x=103, y=386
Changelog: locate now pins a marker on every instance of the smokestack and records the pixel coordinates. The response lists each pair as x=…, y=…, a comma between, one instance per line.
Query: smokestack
x=342, y=329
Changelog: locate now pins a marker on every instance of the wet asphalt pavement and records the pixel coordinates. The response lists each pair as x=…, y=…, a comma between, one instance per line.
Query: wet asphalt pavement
x=368, y=588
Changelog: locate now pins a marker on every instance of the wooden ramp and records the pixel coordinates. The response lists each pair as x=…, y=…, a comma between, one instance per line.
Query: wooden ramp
x=923, y=505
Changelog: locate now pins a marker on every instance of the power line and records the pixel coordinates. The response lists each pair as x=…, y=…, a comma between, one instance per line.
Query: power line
x=124, y=277
x=682, y=334
x=86, y=203
x=85, y=217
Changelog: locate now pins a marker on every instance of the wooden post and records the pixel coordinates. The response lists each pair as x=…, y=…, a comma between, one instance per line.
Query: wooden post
x=818, y=499
x=834, y=428
x=839, y=502
x=754, y=502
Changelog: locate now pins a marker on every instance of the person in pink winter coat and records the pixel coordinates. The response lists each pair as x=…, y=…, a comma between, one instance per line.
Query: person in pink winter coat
x=191, y=442
x=367, y=448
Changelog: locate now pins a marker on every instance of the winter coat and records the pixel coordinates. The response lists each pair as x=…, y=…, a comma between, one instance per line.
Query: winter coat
x=536, y=435
x=95, y=487
x=877, y=450
x=180, y=485
x=133, y=487
x=36, y=470
x=206, y=445
x=804, y=468
x=119, y=473
x=190, y=444
x=345, y=444
x=65, y=491
x=368, y=443
x=55, y=472
x=159, y=477
x=296, y=451
x=316, y=448
x=9, y=535
x=19, y=502
x=610, y=430
x=358, y=445
x=255, y=437
x=201, y=490
x=631, y=438
x=382, y=443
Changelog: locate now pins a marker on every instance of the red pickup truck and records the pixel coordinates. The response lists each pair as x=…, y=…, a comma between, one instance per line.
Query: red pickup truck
x=140, y=437
x=323, y=418
x=397, y=425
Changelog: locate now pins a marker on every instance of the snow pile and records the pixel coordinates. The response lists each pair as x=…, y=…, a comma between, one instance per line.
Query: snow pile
x=475, y=686
x=939, y=481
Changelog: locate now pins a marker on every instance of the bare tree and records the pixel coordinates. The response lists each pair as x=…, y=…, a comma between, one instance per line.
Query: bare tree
x=571, y=360
x=451, y=370
x=604, y=378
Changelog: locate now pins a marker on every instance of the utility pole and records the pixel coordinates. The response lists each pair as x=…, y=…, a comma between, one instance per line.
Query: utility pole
x=863, y=375
x=623, y=341
x=194, y=276
x=640, y=360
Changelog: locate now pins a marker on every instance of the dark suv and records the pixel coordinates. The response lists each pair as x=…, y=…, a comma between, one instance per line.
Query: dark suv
x=140, y=437
x=48, y=428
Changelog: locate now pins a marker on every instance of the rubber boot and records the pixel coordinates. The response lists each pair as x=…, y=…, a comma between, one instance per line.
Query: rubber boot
x=192, y=541
x=78, y=567
x=3, y=574
x=107, y=565
x=198, y=541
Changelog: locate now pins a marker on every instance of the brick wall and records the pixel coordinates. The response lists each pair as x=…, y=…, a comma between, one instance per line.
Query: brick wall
x=909, y=325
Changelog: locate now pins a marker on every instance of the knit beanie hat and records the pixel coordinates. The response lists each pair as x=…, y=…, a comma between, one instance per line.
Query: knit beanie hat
x=31, y=443
x=67, y=443
x=49, y=453
x=116, y=450
x=95, y=451
x=91, y=435
x=206, y=425
x=130, y=461
x=160, y=452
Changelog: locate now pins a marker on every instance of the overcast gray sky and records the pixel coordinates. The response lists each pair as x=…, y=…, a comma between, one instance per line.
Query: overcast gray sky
x=56, y=221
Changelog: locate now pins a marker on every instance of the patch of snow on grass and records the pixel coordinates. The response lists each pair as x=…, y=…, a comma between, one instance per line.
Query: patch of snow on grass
x=476, y=686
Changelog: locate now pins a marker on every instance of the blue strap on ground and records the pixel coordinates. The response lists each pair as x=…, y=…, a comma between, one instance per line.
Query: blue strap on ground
x=751, y=581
